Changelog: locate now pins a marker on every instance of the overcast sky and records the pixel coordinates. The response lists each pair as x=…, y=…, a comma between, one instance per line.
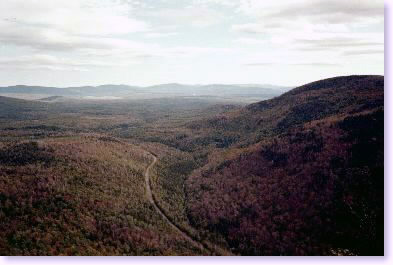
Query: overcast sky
x=144, y=42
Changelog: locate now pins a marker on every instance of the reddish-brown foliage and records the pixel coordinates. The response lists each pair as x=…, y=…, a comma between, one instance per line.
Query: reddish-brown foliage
x=315, y=188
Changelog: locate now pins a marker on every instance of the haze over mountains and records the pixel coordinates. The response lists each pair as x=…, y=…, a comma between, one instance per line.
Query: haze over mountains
x=246, y=93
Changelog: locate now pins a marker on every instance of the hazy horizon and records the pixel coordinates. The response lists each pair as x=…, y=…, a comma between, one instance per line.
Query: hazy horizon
x=157, y=84
x=183, y=84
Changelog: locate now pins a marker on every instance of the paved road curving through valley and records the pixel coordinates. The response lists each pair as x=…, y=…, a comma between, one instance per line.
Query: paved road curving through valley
x=163, y=215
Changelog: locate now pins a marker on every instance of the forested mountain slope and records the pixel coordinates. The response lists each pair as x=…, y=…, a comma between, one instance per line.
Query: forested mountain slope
x=301, y=173
x=314, y=101
x=305, y=175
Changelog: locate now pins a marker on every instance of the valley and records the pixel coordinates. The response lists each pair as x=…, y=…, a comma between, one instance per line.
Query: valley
x=277, y=172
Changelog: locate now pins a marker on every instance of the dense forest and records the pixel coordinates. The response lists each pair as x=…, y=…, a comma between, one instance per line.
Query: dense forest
x=313, y=182
x=298, y=174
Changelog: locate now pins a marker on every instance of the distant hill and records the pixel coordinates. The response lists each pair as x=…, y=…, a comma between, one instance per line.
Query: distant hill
x=245, y=93
x=19, y=109
x=21, y=89
x=304, y=172
x=105, y=90
x=51, y=98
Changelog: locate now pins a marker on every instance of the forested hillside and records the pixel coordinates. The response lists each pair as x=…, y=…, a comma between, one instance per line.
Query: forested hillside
x=299, y=174
x=79, y=196
x=309, y=180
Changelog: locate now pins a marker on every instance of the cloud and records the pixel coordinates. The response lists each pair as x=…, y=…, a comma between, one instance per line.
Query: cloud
x=363, y=52
x=312, y=64
x=98, y=28
x=329, y=43
x=154, y=35
x=101, y=59
x=50, y=62
x=194, y=16
x=259, y=64
x=227, y=3
x=332, y=11
x=250, y=41
x=188, y=39
x=50, y=39
x=253, y=28
x=87, y=18
x=66, y=25
x=313, y=25
x=316, y=64
x=193, y=51
x=40, y=62
x=314, y=18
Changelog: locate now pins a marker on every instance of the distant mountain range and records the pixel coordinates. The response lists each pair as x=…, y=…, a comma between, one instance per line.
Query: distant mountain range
x=257, y=92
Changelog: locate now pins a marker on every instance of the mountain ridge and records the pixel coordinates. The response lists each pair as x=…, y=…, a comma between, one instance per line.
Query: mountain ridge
x=301, y=175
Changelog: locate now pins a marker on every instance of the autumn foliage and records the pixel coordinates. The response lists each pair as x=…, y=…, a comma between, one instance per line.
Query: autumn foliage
x=313, y=188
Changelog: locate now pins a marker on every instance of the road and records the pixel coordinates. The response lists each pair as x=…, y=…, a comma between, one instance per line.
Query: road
x=163, y=215
x=205, y=247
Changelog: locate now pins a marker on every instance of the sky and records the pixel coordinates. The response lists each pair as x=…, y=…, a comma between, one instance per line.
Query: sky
x=146, y=42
